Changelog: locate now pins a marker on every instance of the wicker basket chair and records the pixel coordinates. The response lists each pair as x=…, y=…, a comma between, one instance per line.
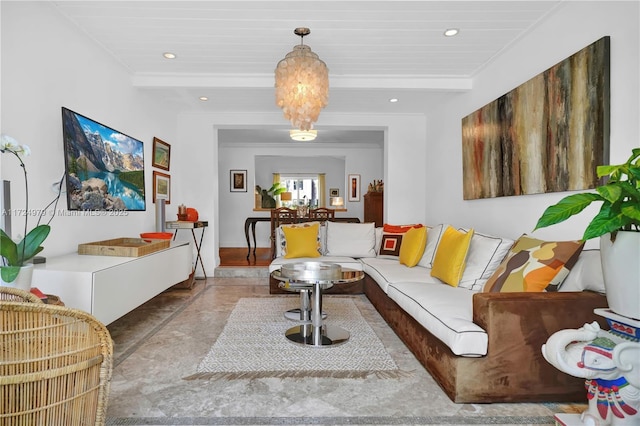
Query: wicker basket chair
x=12, y=294
x=55, y=366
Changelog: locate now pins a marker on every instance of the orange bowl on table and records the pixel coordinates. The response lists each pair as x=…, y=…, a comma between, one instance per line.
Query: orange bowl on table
x=149, y=236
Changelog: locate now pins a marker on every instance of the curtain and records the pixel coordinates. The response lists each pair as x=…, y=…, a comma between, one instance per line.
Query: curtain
x=321, y=190
x=276, y=179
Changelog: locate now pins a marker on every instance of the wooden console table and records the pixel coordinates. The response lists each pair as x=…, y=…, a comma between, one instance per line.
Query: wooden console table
x=251, y=222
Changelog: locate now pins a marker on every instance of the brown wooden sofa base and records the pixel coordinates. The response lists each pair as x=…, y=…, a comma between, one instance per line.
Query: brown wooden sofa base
x=356, y=287
x=518, y=324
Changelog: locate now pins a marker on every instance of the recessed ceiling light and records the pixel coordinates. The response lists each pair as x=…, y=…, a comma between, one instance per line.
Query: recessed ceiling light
x=393, y=100
x=203, y=98
x=450, y=32
x=169, y=55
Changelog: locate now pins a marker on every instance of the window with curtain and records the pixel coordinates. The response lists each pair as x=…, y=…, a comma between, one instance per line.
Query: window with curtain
x=306, y=189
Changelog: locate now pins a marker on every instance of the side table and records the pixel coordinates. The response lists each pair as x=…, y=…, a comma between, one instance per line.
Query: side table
x=321, y=276
x=181, y=224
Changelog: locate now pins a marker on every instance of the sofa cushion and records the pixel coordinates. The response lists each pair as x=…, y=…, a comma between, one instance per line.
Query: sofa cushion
x=302, y=241
x=386, y=271
x=390, y=245
x=535, y=265
x=445, y=311
x=413, y=244
x=392, y=236
x=345, y=262
x=351, y=239
x=486, y=252
x=451, y=256
x=586, y=274
x=281, y=242
x=434, y=234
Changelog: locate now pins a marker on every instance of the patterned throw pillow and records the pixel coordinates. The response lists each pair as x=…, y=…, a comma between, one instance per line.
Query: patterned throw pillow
x=534, y=265
x=283, y=240
x=392, y=239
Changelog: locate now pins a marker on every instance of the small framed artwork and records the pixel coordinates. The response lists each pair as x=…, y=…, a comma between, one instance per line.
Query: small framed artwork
x=161, y=154
x=354, y=187
x=238, y=181
x=161, y=187
x=334, y=192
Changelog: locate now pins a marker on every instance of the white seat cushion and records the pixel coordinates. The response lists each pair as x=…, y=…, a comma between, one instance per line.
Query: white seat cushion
x=447, y=312
x=385, y=271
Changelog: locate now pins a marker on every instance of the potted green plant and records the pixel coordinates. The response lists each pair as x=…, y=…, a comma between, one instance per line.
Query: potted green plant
x=15, y=269
x=617, y=224
x=268, y=196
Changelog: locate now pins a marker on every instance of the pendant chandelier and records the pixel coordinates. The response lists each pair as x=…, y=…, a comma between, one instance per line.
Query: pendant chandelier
x=302, y=84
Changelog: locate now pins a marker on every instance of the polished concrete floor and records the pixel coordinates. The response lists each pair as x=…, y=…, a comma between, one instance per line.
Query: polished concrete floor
x=163, y=341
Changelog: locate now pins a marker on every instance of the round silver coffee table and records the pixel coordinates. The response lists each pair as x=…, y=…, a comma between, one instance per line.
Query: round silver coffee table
x=321, y=276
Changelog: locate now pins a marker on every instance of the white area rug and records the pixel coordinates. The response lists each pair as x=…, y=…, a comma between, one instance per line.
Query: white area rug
x=253, y=345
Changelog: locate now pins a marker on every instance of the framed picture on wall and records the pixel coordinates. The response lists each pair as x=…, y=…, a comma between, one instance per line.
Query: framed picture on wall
x=334, y=192
x=238, y=181
x=161, y=154
x=353, y=186
x=161, y=187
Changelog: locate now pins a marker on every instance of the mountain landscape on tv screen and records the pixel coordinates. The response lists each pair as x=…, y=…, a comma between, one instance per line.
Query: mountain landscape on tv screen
x=105, y=168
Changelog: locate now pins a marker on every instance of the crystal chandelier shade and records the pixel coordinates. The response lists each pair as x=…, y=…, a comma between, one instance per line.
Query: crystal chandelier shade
x=302, y=85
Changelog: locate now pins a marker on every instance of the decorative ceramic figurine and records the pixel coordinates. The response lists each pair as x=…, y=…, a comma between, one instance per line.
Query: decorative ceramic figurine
x=610, y=364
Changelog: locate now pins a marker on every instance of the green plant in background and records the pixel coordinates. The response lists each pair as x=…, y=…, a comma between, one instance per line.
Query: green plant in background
x=17, y=254
x=269, y=195
x=620, y=198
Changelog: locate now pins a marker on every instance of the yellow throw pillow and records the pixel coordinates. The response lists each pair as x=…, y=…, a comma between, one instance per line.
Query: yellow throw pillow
x=451, y=256
x=302, y=242
x=412, y=247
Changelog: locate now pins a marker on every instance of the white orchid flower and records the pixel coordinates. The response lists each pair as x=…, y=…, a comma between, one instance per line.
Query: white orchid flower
x=8, y=143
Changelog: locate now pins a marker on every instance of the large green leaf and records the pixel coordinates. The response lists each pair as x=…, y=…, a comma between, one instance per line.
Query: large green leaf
x=604, y=223
x=565, y=208
x=611, y=192
x=9, y=273
x=8, y=248
x=32, y=242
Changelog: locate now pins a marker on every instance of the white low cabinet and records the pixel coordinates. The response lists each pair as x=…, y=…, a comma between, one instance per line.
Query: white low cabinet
x=108, y=287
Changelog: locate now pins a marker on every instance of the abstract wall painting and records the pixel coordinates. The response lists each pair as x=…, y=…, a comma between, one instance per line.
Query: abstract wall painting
x=547, y=135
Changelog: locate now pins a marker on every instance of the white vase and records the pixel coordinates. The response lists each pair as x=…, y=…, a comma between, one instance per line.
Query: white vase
x=23, y=280
x=621, y=270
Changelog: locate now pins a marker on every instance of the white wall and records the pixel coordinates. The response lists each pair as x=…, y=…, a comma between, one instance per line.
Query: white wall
x=403, y=169
x=366, y=161
x=48, y=63
x=574, y=26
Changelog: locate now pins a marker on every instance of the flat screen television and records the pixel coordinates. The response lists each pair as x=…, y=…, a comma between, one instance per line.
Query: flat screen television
x=104, y=167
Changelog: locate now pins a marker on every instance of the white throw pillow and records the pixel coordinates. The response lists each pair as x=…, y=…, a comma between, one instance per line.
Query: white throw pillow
x=434, y=233
x=586, y=274
x=486, y=252
x=351, y=239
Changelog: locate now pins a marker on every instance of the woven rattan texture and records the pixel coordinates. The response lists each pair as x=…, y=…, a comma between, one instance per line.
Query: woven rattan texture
x=12, y=294
x=55, y=366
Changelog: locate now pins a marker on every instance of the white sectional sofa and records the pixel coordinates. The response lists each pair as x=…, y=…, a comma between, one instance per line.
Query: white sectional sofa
x=479, y=346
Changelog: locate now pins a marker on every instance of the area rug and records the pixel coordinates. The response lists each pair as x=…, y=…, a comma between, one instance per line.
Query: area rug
x=253, y=345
